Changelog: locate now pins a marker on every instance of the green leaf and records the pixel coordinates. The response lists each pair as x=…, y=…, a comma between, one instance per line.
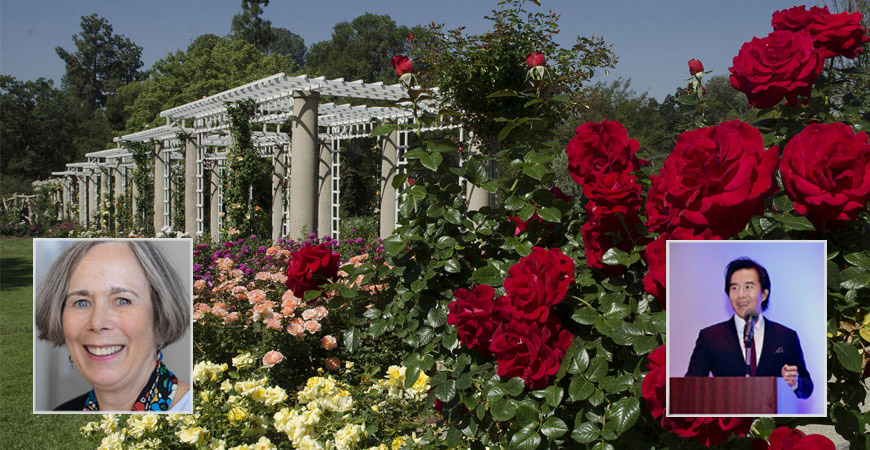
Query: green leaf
x=554, y=427
x=435, y=210
x=506, y=130
x=854, y=278
x=351, y=339
x=378, y=327
x=527, y=212
x=445, y=391
x=791, y=222
x=416, y=191
x=615, y=257
x=446, y=241
x=859, y=259
x=415, y=153
x=597, y=368
x=585, y=432
x=503, y=409
x=536, y=171
x=514, y=203
x=580, y=389
x=503, y=93
x=527, y=413
x=550, y=214
x=782, y=204
x=526, y=439
x=452, y=266
x=624, y=413
x=848, y=356
x=515, y=386
x=535, y=157
x=382, y=129
x=586, y=315
x=436, y=317
x=553, y=395
x=432, y=161
x=762, y=428
x=487, y=275
x=688, y=100
x=602, y=446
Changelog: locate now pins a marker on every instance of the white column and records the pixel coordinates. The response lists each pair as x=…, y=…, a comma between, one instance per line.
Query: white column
x=214, y=203
x=303, y=166
x=118, y=172
x=475, y=197
x=92, y=197
x=83, y=199
x=389, y=167
x=190, y=150
x=158, y=186
x=65, y=200
x=324, y=189
x=279, y=171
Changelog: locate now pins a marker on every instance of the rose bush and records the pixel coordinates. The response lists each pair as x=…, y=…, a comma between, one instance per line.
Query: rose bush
x=782, y=65
x=310, y=267
x=840, y=191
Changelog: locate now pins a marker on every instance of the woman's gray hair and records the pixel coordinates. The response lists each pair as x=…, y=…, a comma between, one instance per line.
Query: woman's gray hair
x=170, y=301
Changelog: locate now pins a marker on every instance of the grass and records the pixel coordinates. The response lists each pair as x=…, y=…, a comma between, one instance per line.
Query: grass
x=19, y=427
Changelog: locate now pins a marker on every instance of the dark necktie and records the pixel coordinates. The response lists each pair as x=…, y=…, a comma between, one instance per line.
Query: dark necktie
x=752, y=364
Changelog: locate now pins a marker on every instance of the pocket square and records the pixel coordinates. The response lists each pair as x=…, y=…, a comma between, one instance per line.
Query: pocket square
x=779, y=350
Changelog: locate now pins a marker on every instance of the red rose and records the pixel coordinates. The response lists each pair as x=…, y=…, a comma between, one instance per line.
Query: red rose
x=601, y=147
x=535, y=59
x=527, y=350
x=695, y=66
x=837, y=34
x=613, y=189
x=709, y=431
x=826, y=172
x=655, y=256
x=471, y=314
x=559, y=195
x=402, y=64
x=784, y=438
x=521, y=224
x=716, y=177
x=310, y=267
x=607, y=228
x=539, y=280
x=781, y=65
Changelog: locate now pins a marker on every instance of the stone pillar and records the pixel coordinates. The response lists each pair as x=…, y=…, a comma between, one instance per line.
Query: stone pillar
x=389, y=166
x=214, y=203
x=104, y=189
x=118, y=189
x=190, y=186
x=83, y=199
x=158, y=187
x=134, y=196
x=65, y=200
x=475, y=197
x=303, y=166
x=92, y=197
x=278, y=173
x=324, y=190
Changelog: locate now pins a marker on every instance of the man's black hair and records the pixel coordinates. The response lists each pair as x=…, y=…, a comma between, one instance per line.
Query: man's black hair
x=746, y=263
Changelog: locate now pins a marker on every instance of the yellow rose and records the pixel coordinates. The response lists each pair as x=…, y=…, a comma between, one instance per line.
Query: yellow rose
x=264, y=444
x=112, y=441
x=237, y=414
x=348, y=436
x=191, y=435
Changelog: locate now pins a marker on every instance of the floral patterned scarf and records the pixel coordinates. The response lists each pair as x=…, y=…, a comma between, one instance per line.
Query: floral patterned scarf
x=157, y=395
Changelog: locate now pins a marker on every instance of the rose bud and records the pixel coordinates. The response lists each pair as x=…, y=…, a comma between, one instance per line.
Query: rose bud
x=402, y=64
x=695, y=66
x=535, y=59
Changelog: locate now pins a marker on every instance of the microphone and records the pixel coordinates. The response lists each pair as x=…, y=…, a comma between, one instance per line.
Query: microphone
x=751, y=317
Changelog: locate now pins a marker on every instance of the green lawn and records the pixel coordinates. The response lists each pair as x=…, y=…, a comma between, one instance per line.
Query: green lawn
x=19, y=427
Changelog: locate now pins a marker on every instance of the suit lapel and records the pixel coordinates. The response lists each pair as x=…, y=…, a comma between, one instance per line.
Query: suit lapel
x=768, y=348
x=734, y=343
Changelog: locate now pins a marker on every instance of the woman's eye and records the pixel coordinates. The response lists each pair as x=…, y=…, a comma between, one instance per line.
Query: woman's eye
x=80, y=303
x=124, y=301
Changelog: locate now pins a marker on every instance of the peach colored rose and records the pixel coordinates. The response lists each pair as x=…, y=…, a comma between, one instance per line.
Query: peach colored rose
x=332, y=363
x=199, y=285
x=321, y=312
x=273, y=323
x=285, y=253
x=231, y=317
x=197, y=315
x=264, y=276
x=220, y=312
x=236, y=273
x=358, y=259
x=272, y=250
x=202, y=307
x=328, y=342
x=219, y=305
x=256, y=296
x=295, y=329
x=312, y=326
x=271, y=358
x=279, y=278
x=309, y=314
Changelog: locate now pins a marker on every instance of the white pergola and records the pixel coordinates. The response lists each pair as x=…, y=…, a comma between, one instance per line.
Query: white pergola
x=198, y=134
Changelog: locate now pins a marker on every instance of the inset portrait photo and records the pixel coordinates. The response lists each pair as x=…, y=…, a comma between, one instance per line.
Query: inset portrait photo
x=112, y=325
x=746, y=328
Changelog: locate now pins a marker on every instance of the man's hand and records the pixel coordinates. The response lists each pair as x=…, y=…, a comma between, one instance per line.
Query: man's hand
x=790, y=374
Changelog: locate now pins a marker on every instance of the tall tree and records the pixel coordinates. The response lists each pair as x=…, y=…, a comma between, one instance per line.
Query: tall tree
x=102, y=62
x=360, y=49
x=249, y=26
x=286, y=42
x=36, y=124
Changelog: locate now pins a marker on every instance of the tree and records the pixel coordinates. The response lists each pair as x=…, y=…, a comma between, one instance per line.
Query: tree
x=36, y=123
x=286, y=42
x=360, y=49
x=250, y=27
x=210, y=64
x=101, y=64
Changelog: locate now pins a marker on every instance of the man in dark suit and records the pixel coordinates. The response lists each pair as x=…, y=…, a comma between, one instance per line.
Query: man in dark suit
x=720, y=348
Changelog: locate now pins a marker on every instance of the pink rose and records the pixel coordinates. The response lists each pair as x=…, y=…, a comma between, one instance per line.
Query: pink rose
x=328, y=342
x=271, y=358
x=535, y=59
x=402, y=64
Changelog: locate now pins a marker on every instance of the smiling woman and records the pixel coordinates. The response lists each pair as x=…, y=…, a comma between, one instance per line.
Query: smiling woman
x=116, y=305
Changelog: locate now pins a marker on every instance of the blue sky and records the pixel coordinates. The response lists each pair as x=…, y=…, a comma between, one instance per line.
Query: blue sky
x=653, y=40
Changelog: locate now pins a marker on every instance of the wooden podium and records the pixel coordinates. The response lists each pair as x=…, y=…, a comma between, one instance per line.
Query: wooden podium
x=731, y=395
